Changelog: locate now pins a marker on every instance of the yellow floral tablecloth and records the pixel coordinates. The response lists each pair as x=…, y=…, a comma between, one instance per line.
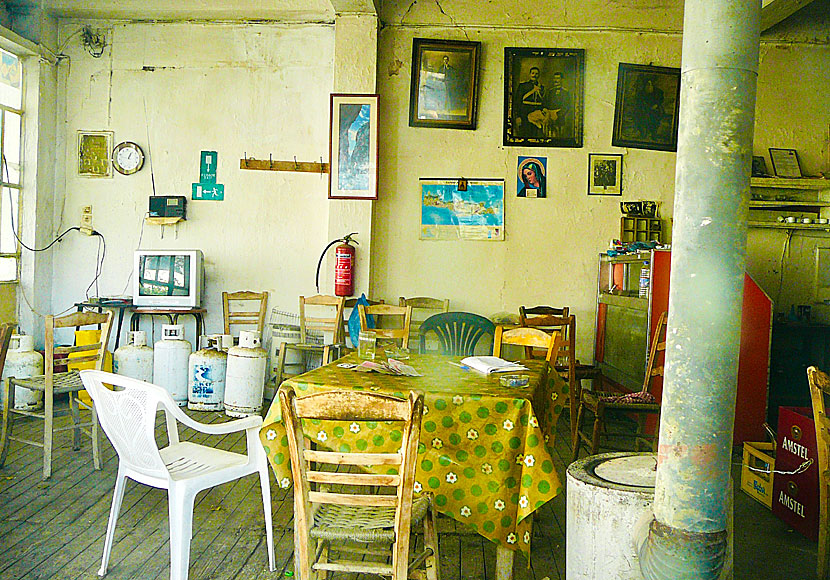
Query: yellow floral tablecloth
x=483, y=449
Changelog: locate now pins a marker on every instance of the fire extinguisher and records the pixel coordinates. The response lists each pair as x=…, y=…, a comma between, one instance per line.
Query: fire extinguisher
x=343, y=265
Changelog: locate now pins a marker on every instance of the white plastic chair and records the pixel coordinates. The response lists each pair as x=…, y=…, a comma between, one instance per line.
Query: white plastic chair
x=127, y=415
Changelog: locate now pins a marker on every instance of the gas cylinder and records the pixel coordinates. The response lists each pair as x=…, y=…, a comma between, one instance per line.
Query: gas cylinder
x=245, y=380
x=170, y=362
x=23, y=362
x=206, y=376
x=134, y=359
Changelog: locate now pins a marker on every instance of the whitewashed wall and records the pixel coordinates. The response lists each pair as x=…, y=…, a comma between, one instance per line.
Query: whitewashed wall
x=550, y=252
x=178, y=89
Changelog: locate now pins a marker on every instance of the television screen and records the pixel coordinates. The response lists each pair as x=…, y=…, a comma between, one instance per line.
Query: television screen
x=163, y=275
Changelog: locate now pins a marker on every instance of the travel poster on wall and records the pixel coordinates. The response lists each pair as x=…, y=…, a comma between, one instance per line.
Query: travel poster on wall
x=462, y=210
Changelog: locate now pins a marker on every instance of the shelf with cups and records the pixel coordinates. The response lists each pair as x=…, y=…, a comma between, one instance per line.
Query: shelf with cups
x=799, y=201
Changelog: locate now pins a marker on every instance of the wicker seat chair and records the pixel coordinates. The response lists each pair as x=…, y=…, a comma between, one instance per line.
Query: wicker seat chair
x=335, y=514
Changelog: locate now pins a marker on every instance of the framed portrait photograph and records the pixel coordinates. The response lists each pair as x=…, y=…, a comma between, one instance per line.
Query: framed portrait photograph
x=444, y=86
x=759, y=166
x=647, y=106
x=785, y=162
x=353, y=146
x=543, y=96
x=94, y=148
x=604, y=174
x=530, y=176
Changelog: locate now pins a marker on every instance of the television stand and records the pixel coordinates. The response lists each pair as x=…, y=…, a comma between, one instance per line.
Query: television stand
x=172, y=315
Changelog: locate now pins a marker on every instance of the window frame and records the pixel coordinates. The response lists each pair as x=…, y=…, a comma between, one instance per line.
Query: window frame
x=4, y=109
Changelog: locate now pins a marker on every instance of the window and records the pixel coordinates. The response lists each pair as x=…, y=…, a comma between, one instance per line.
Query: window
x=11, y=126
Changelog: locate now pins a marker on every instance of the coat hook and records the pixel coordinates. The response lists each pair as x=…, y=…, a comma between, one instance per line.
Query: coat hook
x=270, y=160
x=321, y=166
x=296, y=167
x=245, y=160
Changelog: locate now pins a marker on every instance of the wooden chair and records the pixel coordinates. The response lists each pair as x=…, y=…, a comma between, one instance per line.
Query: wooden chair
x=640, y=403
x=332, y=508
x=564, y=359
x=383, y=312
x=527, y=314
x=258, y=302
x=819, y=392
x=457, y=332
x=528, y=337
x=348, y=308
x=6, y=331
x=422, y=308
x=52, y=383
x=320, y=316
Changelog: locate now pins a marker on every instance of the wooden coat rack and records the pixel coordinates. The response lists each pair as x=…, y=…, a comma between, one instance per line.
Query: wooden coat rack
x=271, y=165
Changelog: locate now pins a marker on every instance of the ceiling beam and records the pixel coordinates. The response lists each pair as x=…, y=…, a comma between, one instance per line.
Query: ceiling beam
x=354, y=6
x=774, y=11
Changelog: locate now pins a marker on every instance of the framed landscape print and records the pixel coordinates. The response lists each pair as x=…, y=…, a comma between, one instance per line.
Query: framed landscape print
x=646, y=110
x=544, y=96
x=444, y=86
x=353, y=138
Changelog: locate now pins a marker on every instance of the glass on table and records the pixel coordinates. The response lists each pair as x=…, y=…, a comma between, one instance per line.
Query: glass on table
x=366, y=342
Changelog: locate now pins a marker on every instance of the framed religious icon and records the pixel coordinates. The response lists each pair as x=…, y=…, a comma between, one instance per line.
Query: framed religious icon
x=604, y=174
x=353, y=149
x=530, y=181
x=444, y=86
x=94, y=153
x=544, y=96
x=647, y=106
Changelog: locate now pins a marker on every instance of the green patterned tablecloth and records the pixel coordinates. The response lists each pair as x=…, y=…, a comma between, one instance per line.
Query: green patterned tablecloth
x=483, y=449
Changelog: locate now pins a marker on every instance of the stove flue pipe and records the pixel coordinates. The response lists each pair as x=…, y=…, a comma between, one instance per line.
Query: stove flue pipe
x=687, y=538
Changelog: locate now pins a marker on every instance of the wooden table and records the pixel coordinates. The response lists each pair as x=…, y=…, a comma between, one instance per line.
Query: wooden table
x=483, y=449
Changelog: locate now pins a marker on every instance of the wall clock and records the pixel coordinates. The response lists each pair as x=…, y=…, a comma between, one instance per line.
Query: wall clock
x=127, y=158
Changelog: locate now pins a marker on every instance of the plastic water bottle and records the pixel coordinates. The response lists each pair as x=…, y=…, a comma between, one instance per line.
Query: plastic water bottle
x=645, y=272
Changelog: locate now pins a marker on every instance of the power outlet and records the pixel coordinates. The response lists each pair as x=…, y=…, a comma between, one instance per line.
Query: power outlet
x=86, y=220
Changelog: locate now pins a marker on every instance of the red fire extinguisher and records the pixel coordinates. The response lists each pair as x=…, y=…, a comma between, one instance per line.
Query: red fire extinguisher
x=343, y=265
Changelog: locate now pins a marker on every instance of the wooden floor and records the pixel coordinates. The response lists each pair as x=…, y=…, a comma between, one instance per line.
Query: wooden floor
x=55, y=529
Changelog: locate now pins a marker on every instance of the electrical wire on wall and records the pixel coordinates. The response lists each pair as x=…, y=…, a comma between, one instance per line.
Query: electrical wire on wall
x=137, y=247
x=784, y=251
x=101, y=252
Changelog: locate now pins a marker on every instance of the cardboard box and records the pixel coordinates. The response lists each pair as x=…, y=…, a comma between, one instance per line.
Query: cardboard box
x=795, y=496
x=758, y=484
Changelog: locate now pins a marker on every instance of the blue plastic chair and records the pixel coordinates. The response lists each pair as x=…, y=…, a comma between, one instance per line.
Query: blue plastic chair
x=458, y=332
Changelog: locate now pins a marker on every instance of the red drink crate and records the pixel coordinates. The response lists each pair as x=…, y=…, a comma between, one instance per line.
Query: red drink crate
x=795, y=497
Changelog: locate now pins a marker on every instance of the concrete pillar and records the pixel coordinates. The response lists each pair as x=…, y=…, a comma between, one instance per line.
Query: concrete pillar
x=355, y=71
x=687, y=538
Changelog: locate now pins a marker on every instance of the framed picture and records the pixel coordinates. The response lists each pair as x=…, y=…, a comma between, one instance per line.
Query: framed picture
x=530, y=177
x=785, y=162
x=444, y=86
x=543, y=96
x=646, y=111
x=353, y=139
x=474, y=211
x=94, y=149
x=604, y=174
x=759, y=166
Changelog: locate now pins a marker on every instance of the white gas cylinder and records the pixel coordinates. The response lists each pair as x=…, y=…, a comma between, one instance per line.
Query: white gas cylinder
x=134, y=359
x=23, y=362
x=170, y=362
x=206, y=376
x=245, y=380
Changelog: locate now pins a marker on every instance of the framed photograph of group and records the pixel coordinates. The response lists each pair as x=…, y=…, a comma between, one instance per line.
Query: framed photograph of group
x=646, y=110
x=604, y=174
x=543, y=96
x=353, y=138
x=444, y=86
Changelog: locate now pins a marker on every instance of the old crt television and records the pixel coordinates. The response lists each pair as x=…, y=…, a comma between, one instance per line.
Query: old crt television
x=168, y=278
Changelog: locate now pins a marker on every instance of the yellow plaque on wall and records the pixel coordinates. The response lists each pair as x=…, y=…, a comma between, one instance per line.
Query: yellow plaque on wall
x=94, y=153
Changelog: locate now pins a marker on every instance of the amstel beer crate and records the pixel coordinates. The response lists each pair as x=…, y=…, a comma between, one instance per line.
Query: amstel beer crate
x=795, y=495
x=757, y=471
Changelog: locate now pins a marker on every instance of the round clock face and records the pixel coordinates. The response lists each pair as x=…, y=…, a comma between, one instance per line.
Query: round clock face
x=127, y=157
